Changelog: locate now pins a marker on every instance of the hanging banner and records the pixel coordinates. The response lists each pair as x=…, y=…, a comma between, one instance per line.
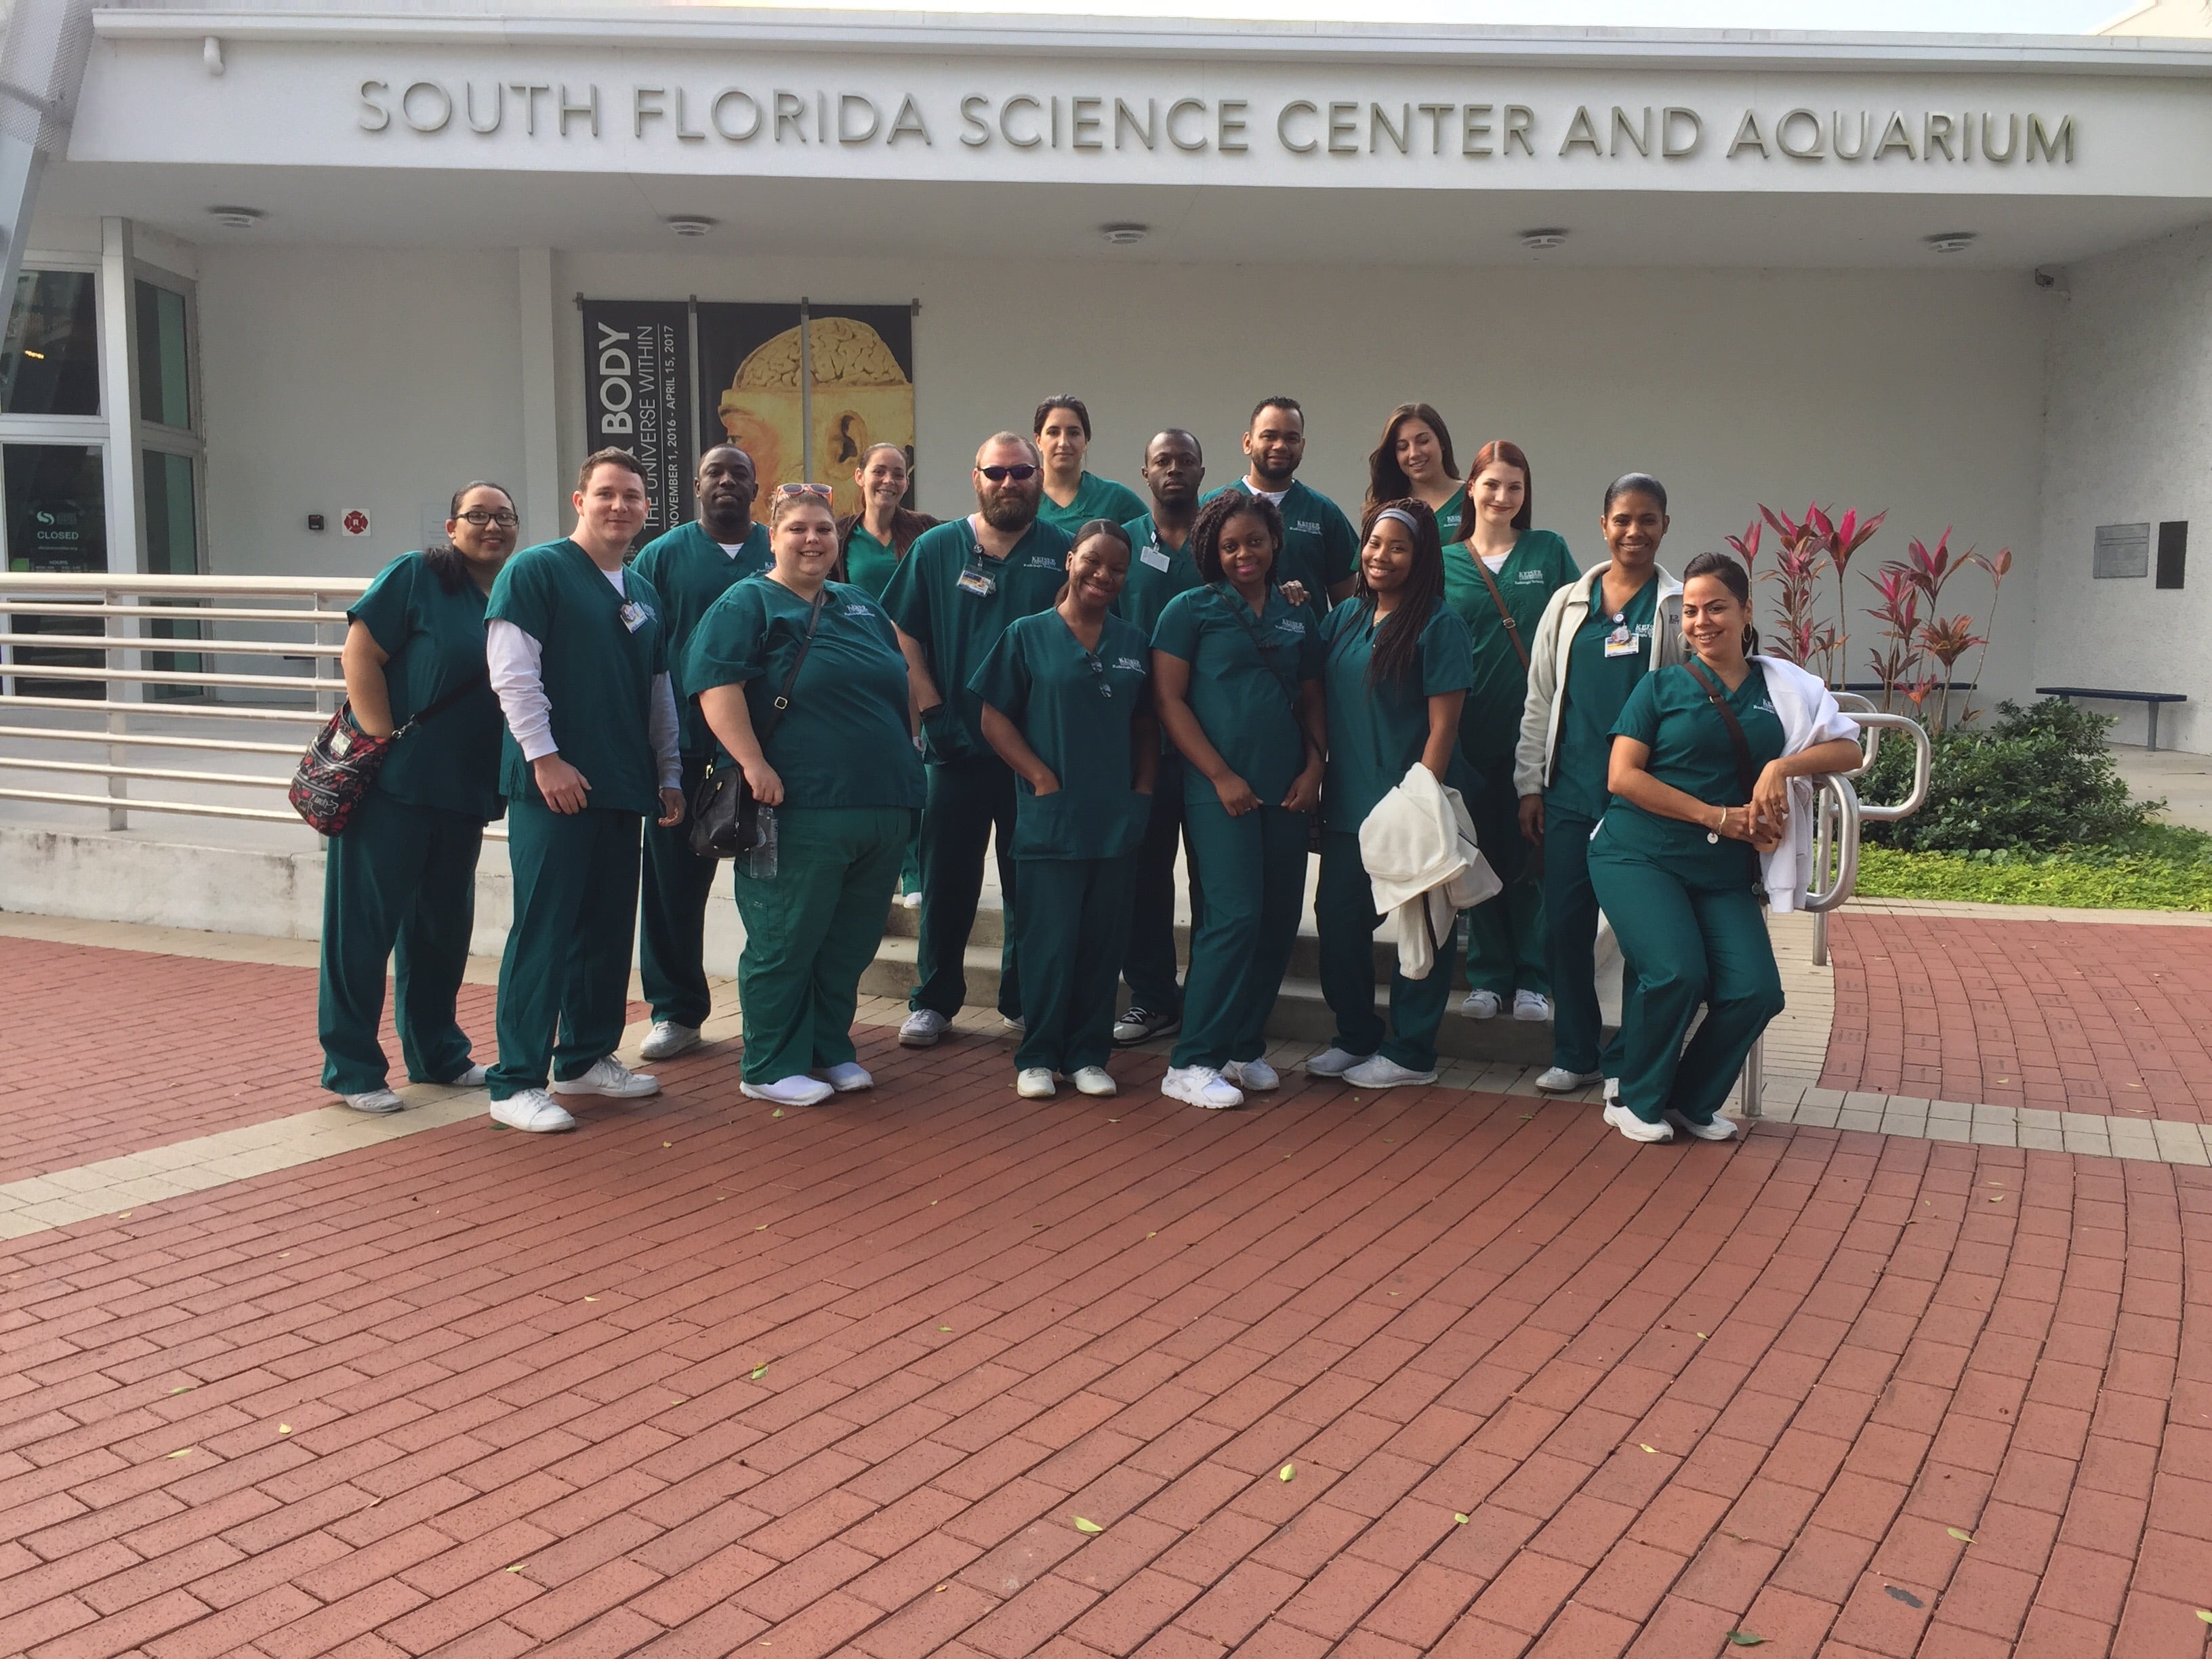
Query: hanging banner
x=638, y=396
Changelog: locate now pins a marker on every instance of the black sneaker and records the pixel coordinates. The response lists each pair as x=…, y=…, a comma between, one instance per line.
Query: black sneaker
x=1141, y=1025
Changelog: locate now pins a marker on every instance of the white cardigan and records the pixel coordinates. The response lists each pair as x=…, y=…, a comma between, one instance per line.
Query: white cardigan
x=1547, y=668
x=1809, y=716
x=1417, y=846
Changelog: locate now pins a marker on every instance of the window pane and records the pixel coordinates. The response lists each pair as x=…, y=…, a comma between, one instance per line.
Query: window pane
x=171, y=528
x=164, y=378
x=50, y=359
x=56, y=507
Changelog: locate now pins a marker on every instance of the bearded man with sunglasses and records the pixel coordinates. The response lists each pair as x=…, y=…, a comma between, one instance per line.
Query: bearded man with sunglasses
x=959, y=587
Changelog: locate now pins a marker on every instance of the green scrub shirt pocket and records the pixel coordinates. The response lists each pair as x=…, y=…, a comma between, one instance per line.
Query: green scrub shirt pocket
x=943, y=736
x=1046, y=826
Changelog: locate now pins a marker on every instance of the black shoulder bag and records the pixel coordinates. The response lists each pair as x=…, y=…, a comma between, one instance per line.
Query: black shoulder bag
x=725, y=815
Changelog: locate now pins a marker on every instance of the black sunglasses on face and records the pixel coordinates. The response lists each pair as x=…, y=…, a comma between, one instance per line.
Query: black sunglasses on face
x=1020, y=472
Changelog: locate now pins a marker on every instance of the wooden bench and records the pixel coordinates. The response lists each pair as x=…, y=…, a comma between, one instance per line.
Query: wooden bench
x=2150, y=700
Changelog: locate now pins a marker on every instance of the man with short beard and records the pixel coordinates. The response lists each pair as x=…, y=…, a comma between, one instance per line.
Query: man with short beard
x=956, y=592
x=691, y=568
x=1320, y=547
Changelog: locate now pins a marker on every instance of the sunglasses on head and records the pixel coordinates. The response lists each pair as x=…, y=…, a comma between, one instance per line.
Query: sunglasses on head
x=1020, y=472
x=821, y=489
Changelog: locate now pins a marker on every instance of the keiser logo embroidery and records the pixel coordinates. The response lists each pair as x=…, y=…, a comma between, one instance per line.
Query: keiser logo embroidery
x=1307, y=526
x=1128, y=662
x=856, y=609
x=1529, y=576
x=1289, y=625
x=1045, y=561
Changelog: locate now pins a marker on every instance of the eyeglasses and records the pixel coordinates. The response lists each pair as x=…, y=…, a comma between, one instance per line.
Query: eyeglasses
x=822, y=491
x=1020, y=472
x=478, y=517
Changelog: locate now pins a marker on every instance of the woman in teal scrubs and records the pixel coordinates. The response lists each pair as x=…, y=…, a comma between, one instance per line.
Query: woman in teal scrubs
x=1236, y=673
x=1073, y=497
x=1415, y=458
x=1700, y=773
x=1399, y=665
x=1067, y=705
x=1597, y=638
x=840, y=770
x=1499, y=580
x=402, y=879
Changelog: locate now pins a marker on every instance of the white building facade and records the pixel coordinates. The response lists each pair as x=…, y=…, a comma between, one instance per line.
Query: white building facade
x=298, y=266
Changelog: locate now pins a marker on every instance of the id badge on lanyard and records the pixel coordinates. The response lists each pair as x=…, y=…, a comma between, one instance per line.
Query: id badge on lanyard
x=632, y=615
x=1621, y=642
x=975, y=578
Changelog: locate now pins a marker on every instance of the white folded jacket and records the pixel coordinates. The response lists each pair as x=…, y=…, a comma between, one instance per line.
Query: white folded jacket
x=1419, y=850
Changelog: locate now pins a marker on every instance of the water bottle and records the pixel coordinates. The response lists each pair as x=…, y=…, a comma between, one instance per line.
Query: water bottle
x=760, y=863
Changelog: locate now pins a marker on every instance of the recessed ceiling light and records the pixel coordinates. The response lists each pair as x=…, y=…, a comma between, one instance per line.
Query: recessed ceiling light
x=690, y=224
x=1543, y=241
x=1949, y=241
x=237, y=218
x=1123, y=235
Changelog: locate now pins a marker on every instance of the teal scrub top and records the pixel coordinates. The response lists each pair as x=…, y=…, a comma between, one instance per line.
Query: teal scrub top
x=1375, y=732
x=1095, y=498
x=1450, y=515
x=1596, y=689
x=843, y=741
x=1691, y=749
x=1320, y=548
x=1157, y=574
x=601, y=650
x=1075, y=708
x=434, y=643
x=868, y=563
x=1246, y=672
x=1538, y=567
x=690, y=571
x=957, y=625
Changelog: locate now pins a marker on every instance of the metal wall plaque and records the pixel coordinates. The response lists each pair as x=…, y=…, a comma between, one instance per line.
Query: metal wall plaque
x=2122, y=549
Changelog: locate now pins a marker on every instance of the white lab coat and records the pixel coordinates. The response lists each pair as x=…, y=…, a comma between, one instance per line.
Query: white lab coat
x=1809, y=715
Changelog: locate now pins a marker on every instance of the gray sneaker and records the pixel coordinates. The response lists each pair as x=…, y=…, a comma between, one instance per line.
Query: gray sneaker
x=667, y=1039
x=1142, y=1024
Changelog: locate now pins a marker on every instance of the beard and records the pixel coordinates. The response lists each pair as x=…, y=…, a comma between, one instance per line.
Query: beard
x=1008, y=511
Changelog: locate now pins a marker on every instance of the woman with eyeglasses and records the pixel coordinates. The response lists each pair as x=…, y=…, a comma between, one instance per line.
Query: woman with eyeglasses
x=401, y=879
x=838, y=767
x=1072, y=495
x=1066, y=705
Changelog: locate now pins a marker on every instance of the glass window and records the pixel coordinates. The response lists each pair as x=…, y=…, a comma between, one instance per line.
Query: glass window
x=173, y=540
x=50, y=358
x=164, y=372
x=57, y=507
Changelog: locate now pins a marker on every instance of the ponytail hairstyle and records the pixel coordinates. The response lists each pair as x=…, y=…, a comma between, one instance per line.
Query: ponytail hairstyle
x=1386, y=480
x=444, y=559
x=1396, y=655
x=1105, y=527
x=1502, y=451
x=1635, y=483
x=1204, y=543
x=1723, y=568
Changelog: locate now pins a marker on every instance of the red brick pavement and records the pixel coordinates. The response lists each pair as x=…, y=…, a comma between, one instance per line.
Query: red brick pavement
x=703, y=1377
x=2078, y=1016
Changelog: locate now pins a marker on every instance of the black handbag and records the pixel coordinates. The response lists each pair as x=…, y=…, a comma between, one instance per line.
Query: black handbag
x=724, y=815
x=343, y=761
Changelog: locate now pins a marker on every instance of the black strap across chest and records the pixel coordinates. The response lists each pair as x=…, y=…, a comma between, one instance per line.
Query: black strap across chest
x=1746, y=774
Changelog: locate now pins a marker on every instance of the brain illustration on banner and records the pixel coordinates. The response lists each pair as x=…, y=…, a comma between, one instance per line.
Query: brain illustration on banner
x=861, y=395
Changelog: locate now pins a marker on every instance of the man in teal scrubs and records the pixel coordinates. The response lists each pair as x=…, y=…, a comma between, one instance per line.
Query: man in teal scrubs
x=1063, y=439
x=952, y=597
x=578, y=655
x=691, y=568
x=1160, y=569
x=1320, y=547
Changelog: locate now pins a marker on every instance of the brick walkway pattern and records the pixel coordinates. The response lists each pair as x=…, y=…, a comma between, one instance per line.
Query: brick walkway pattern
x=2059, y=1016
x=1423, y=1371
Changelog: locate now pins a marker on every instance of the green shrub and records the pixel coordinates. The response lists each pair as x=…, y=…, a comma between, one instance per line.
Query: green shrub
x=2035, y=781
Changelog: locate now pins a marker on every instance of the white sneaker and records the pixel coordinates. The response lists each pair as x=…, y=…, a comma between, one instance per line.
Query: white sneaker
x=1201, y=1086
x=1333, y=1061
x=851, y=1078
x=1531, y=1006
x=909, y=900
x=533, y=1111
x=922, y=1028
x=1561, y=1081
x=1721, y=1128
x=610, y=1078
x=1481, y=1005
x=474, y=1078
x=801, y=1091
x=667, y=1039
x=1254, y=1077
x=1634, y=1127
x=1094, y=1080
x=1035, y=1083
x=1611, y=1090
x=1376, y=1072
x=374, y=1100
x=1013, y=1022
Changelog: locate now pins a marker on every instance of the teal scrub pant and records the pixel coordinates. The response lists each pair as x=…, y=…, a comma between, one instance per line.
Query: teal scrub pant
x=1571, y=946
x=811, y=931
x=568, y=949
x=671, y=935
x=1255, y=871
x=1686, y=945
x=1344, y=913
x=1505, y=934
x=1149, y=963
x=399, y=886
x=1074, y=924
x=968, y=798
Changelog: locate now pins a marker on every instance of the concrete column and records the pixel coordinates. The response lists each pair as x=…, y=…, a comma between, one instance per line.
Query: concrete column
x=545, y=504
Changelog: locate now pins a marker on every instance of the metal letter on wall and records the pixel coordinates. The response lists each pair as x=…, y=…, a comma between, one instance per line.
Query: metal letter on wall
x=638, y=396
x=2121, y=550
